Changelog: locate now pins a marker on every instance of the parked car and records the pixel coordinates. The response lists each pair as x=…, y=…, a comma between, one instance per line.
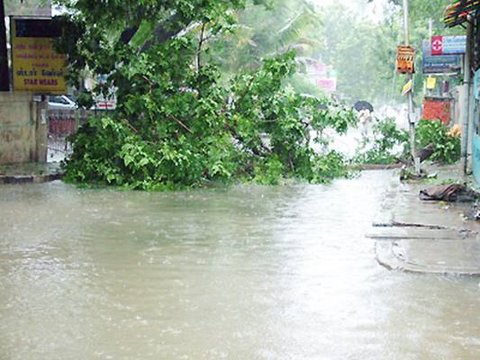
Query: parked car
x=61, y=102
x=66, y=102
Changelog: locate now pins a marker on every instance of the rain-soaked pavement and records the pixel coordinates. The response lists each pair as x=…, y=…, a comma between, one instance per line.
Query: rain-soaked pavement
x=248, y=272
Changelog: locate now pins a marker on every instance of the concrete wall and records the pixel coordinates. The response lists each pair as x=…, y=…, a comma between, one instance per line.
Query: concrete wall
x=476, y=159
x=458, y=95
x=23, y=131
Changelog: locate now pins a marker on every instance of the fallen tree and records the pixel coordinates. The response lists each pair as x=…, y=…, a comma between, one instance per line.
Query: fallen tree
x=177, y=123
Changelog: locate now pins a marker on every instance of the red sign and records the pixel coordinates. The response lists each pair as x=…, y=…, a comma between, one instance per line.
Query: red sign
x=327, y=84
x=437, y=45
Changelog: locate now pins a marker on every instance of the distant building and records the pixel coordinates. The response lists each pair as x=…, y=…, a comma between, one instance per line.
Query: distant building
x=29, y=8
x=322, y=75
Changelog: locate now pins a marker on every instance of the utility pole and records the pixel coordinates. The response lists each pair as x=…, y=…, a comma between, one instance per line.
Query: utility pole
x=411, y=117
x=467, y=85
x=4, y=73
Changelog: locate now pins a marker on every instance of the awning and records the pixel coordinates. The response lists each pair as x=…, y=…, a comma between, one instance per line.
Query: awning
x=456, y=13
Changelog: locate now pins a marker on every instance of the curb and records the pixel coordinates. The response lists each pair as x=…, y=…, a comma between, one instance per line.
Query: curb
x=29, y=179
x=367, y=167
x=417, y=237
x=390, y=257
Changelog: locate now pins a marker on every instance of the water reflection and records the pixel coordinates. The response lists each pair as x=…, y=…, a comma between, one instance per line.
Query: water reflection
x=244, y=273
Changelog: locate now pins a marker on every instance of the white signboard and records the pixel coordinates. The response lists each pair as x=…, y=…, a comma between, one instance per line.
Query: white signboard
x=449, y=45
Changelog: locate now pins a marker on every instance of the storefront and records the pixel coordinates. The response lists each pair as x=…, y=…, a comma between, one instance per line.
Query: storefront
x=467, y=14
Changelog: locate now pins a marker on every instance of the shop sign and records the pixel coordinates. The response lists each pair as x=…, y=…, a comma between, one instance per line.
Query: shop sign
x=37, y=66
x=431, y=83
x=444, y=64
x=448, y=45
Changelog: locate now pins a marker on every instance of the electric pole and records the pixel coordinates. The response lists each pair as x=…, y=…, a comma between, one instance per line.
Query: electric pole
x=410, y=116
x=467, y=86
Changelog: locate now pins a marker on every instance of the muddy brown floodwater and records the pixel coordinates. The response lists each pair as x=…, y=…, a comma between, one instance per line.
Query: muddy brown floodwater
x=248, y=272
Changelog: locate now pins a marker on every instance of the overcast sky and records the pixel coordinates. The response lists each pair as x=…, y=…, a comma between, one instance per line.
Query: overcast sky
x=356, y=3
x=374, y=9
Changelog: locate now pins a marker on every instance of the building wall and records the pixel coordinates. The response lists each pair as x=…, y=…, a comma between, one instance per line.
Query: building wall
x=476, y=159
x=475, y=142
x=23, y=132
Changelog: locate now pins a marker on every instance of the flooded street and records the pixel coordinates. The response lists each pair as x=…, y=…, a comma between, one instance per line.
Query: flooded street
x=248, y=272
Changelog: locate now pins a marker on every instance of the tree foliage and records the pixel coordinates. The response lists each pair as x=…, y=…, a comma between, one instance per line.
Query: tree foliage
x=266, y=31
x=446, y=147
x=179, y=122
x=263, y=32
x=362, y=52
x=385, y=146
x=363, y=49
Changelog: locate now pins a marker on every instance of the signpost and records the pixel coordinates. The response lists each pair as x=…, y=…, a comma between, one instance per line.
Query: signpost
x=411, y=117
x=37, y=67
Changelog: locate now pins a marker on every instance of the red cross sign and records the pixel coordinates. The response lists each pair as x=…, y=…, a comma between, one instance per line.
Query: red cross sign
x=437, y=45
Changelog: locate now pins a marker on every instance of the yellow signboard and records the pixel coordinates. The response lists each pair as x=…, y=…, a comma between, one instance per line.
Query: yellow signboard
x=431, y=83
x=37, y=67
x=407, y=87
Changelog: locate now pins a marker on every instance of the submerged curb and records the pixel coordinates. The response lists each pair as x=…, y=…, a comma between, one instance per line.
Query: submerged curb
x=30, y=173
x=29, y=179
x=394, y=256
x=367, y=167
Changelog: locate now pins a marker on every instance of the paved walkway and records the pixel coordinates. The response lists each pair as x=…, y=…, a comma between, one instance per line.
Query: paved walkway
x=427, y=237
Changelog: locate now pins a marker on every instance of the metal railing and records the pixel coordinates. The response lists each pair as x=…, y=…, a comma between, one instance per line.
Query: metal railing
x=61, y=124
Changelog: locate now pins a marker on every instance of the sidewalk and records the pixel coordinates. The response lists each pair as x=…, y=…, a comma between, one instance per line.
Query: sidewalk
x=30, y=173
x=423, y=236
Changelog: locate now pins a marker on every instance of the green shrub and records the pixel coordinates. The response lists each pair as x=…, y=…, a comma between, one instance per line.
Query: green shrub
x=446, y=147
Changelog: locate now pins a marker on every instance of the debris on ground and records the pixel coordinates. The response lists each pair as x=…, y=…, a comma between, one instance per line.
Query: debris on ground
x=449, y=193
x=473, y=213
x=407, y=174
x=424, y=153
